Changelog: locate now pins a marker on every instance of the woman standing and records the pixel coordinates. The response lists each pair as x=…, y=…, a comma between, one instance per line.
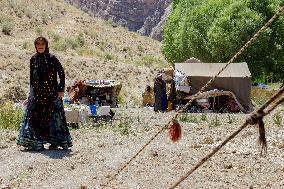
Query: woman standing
x=44, y=120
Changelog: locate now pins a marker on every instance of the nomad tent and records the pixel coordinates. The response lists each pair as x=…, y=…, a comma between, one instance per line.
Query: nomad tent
x=236, y=78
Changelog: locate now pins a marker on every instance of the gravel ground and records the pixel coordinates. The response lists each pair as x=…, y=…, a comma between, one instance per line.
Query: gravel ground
x=99, y=151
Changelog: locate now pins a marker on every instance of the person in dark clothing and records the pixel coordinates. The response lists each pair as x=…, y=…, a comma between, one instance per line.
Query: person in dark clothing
x=44, y=120
x=161, y=103
x=172, y=96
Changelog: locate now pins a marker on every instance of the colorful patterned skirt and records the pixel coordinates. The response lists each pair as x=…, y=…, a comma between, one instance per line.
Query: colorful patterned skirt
x=44, y=124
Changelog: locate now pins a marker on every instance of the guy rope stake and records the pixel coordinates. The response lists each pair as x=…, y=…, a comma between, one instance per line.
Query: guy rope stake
x=167, y=126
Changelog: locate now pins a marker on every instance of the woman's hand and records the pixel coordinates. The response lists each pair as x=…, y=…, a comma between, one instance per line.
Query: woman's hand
x=60, y=94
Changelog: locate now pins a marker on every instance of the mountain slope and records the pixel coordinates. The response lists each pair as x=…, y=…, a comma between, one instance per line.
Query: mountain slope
x=88, y=48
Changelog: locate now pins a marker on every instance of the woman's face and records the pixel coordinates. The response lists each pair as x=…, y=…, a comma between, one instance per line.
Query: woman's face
x=40, y=46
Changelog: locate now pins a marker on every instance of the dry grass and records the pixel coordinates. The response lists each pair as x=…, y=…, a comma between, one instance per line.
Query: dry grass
x=260, y=96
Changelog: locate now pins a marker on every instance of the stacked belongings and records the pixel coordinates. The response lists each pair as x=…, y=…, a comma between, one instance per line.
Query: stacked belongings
x=77, y=90
x=148, y=96
x=216, y=100
x=96, y=96
x=183, y=87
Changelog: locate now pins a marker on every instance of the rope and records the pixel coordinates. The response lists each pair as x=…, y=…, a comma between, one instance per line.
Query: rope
x=264, y=28
x=118, y=172
x=253, y=119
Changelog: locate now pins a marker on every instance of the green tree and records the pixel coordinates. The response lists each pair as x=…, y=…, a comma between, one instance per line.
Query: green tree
x=214, y=30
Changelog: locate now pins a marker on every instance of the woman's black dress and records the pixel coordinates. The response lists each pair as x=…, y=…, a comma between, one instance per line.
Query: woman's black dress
x=44, y=120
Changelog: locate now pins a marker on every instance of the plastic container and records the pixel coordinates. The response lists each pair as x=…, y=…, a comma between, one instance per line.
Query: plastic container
x=104, y=110
x=93, y=109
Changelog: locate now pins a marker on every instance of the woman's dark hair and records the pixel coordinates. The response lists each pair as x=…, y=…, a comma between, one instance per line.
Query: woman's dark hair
x=45, y=41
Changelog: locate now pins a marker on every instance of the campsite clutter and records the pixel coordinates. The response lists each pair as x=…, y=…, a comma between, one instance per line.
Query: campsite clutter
x=91, y=100
x=174, y=87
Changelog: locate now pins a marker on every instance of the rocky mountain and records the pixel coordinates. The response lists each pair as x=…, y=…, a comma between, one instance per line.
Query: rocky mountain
x=146, y=17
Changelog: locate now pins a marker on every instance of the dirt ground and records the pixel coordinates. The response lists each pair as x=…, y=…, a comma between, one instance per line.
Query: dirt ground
x=98, y=152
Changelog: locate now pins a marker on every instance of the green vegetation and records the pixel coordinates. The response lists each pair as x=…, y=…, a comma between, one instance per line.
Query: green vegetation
x=140, y=48
x=277, y=119
x=214, y=30
x=121, y=99
x=188, y=118
x=25, y=45
x=7, y=25
x=110, y=22
x=67, y=43
x=109, y=56
x=28, y=13
x=13, y=4
x=231, y=119
x=203, y=117
x=60, y=45
x=260, y=96
x=215, y=122
x=149, y=60
x=80, y=40
x=55, y=36
x=39, y=30
x=123, y=127
x=10, y=117
x=44, y=18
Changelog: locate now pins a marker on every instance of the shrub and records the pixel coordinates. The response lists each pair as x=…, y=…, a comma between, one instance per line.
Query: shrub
x=85, y=51
x=203, y=117
x=71, y=43
x=60, y=45
x=10, y=118
x=215, y=122
x=55, y=36
x=93, y=35
x=123, y=127
x=102, y=45
x=81, y=40
x=109, y=56
x=140, y=48
x=44, y=18
x=121, y=99
x=39, y=30
x=13, y=4
x=231, y=119
x=28, y=13
x=188, y=118
x=109, y=22
x=277, y=119
x=25, y=45
x=7, y=25
x=150, y=60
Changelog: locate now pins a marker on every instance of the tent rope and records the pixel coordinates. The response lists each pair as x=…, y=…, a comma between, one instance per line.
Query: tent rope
x=255, y=36
x=255, y=117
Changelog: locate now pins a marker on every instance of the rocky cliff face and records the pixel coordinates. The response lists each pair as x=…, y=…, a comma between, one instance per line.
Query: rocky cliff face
x=144, y=16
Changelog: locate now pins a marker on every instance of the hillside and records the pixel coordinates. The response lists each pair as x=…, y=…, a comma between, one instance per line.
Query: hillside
x=88, y=48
